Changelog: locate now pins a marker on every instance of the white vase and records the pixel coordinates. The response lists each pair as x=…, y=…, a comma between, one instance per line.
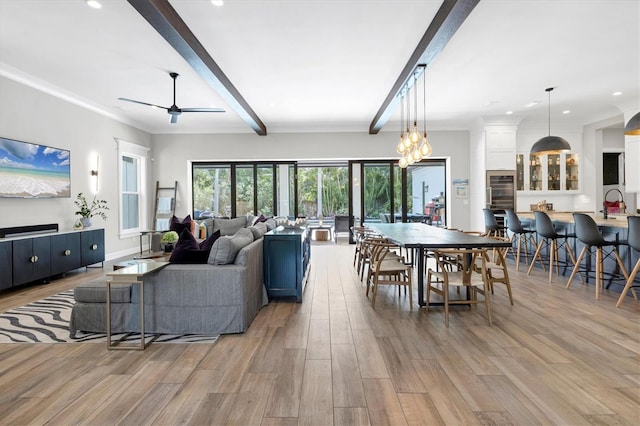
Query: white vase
x=86, y=222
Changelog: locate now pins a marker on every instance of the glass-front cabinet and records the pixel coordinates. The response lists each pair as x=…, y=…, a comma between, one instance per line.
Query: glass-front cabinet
x=535, y=173
x=520, y=172
x=552, y=172
x=572, y=167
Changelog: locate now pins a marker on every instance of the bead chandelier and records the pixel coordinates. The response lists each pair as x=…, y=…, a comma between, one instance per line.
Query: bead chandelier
x=413, y=147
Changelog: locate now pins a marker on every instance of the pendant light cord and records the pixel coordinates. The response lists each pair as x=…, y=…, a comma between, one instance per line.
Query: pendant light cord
x=549, y=109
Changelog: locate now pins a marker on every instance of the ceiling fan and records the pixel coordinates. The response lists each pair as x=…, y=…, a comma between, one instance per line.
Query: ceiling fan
x=173, y=110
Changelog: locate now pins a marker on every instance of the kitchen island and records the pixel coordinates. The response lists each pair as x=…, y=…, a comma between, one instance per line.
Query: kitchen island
x=615, y=227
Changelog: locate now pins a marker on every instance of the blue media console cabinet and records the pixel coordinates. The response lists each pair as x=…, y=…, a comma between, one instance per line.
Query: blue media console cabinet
x=287, y=255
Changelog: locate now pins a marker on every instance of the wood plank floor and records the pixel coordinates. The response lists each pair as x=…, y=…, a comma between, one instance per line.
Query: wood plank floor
x=557, y=357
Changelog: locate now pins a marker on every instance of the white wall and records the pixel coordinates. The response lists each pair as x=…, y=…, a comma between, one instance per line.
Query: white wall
x=173, y=153
x=32, y=116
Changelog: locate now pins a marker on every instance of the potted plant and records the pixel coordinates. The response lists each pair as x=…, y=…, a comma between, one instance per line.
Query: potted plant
x=168, y=238
x=86, y=211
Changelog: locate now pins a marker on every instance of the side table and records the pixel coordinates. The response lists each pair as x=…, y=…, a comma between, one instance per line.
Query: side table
x=133, y=274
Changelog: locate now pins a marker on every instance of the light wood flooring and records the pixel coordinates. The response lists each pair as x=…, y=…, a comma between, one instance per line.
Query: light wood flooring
x=557, y=357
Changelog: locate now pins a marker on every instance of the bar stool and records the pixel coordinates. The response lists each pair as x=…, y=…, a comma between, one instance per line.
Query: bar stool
x=588, y=233
x=515, y=227
x=492, y=227
x=634, y=243
x=549, y=236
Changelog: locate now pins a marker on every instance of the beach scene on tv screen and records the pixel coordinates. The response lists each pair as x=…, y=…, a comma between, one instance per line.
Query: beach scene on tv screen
x=31, y=170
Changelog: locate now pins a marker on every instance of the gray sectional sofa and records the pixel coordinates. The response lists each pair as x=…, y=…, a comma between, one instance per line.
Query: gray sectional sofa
x=183, y=298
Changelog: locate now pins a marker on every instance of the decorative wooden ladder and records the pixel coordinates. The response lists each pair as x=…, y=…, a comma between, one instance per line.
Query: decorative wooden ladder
x=161, y=209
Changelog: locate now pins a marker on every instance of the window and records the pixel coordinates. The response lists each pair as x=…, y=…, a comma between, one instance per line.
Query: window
x=132, y=166
x=237, y=189
x=322, y=190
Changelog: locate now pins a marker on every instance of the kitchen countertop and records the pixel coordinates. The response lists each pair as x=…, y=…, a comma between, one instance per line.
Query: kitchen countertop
x=614, y=220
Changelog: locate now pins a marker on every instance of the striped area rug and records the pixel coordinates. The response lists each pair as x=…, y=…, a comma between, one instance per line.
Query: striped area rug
x=47, y=321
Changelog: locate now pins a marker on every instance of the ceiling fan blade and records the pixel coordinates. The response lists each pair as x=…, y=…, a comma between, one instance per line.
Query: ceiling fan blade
x=202, y=110
x=142, y=103
x=174, y=118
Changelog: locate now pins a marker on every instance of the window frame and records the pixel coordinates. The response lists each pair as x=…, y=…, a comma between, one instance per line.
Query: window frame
x=140, y=153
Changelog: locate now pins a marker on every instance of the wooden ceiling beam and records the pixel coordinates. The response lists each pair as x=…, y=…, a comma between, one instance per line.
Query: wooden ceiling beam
x=445, y=23
x=166, y=21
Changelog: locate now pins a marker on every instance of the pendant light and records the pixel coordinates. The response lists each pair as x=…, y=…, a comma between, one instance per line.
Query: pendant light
x=550, y=144
x=415, y=134
x=401, y=148
x=425, y=148
x=633, y=126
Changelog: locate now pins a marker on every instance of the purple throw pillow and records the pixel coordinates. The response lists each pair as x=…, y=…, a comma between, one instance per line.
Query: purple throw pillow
x=176, y=225
x=208, y=243
x=184, y=246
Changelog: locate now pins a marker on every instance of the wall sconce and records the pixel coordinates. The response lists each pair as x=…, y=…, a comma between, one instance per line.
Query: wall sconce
x=94, y=175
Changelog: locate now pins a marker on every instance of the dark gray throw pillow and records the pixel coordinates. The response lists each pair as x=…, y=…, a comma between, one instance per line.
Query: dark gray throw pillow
x=226, y=248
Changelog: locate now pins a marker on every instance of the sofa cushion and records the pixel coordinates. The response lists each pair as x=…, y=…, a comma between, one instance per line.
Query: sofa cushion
x=176, y=225
x=258, y=230
x=208, y=242
x=226, y=248
x=96, y=292
x=229, y=226
x=271, y=223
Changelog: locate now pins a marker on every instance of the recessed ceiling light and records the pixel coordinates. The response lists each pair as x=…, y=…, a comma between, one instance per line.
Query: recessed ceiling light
x=532, y=103
x=94, y=4
x=217, y=2
x=566, y=111
x=617, y=93
x=509, y=112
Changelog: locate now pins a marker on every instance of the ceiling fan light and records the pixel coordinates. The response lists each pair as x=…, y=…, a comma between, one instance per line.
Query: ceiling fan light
x=633, y=126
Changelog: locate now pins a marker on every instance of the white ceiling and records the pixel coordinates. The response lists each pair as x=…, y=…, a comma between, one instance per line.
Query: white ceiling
x=312, y=65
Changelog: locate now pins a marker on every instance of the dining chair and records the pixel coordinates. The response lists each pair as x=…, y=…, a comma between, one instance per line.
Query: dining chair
x=472, y=278
x=359, y=233
x=496, y=266
x=588, y=234
x=520, y=233
x=387, y=268
x=367, y=253
x=548, y=236
x=492, y=227
x=633, y=240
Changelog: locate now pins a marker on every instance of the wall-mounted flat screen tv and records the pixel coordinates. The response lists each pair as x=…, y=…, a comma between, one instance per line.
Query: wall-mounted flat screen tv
x=29, y=170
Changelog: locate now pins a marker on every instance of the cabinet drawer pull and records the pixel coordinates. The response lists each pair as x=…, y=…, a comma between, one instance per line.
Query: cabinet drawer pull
x=67, y=252
x=94, y=247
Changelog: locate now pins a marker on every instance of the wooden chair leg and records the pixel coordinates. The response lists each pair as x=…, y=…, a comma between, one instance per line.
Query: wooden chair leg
x=573, y=259
x=577, y=265
x=629, y=283
x=552, y=252
x=487, y=302
x=536, y=256
x=599, y=279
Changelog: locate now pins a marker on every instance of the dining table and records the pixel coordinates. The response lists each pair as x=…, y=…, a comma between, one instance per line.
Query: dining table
x=423, y=237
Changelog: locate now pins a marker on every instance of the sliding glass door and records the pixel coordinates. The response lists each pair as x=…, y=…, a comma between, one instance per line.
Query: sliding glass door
x=381, y=191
